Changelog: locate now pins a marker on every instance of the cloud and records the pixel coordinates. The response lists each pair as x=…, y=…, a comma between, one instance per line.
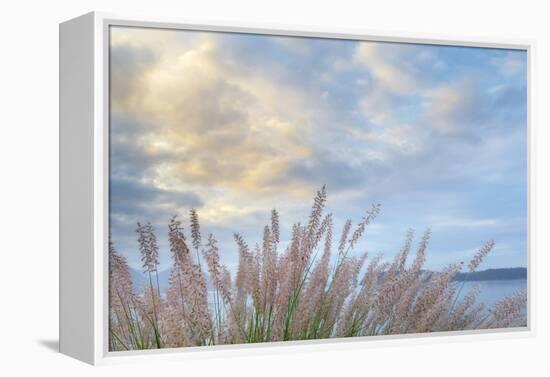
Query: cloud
x=131, y=201
x=378, y=106
x=325, y=168
x=457, y=108
x=511, y=63
x=196, y=104
x=469, y=110
x=127, y=193
x=388, y=64
x=126, y=64
x=239, y=124
x=458, y=222
x=404, y=138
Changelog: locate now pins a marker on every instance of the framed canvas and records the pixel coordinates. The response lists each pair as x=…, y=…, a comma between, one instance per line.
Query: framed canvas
x=230, y=189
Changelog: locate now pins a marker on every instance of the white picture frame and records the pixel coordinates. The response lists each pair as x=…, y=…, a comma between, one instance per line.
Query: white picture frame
x=84, y=99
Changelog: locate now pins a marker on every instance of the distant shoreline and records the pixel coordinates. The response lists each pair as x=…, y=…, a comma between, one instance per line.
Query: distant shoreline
x=515, y=273
x=493, y=274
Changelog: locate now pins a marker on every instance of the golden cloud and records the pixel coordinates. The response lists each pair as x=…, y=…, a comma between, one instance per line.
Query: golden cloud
x=217, y=125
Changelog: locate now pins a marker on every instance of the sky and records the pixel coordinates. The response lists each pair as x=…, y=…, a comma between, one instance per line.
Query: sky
x=234, y=125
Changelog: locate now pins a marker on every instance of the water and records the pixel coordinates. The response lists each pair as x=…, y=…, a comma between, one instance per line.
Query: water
x=490, y=291
x=493, y=290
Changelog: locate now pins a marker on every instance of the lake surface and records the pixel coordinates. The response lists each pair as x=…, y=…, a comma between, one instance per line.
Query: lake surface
x=494, y=290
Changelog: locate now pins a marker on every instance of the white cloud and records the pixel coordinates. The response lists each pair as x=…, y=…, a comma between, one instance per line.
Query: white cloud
x=385, y=61
x=463, y=222
x=404, y=138
x=511, y=64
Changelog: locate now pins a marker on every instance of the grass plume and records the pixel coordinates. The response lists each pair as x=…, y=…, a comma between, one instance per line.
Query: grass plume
x=314, y=288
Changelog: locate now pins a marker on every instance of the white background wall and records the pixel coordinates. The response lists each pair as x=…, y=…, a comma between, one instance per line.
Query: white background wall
x=29, y=183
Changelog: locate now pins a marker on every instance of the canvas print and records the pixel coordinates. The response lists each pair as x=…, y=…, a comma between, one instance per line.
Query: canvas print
x=269, y=188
